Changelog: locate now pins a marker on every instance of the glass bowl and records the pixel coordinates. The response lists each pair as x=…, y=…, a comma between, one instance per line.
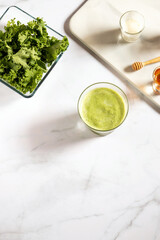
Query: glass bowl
x=114, y=89
x=19, y=14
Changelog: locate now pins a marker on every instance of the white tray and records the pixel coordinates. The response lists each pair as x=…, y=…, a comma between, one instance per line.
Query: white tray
x=96, y=25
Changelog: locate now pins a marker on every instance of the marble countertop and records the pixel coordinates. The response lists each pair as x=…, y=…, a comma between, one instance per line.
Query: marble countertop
x=60, y=181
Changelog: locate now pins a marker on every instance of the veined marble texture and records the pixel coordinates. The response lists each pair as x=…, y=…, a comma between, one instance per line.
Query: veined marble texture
x=58, y=180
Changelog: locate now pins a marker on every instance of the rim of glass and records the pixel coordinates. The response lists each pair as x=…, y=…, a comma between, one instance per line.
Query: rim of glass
x=127, y=13
x=155, y=71
x=107, y=83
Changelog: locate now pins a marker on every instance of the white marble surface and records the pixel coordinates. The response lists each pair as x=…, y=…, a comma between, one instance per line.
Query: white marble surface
x=57, y=179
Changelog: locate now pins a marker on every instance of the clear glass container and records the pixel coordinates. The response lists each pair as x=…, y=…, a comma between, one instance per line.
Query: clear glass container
x=131, y=24
x=24, y=17
x=103, y=85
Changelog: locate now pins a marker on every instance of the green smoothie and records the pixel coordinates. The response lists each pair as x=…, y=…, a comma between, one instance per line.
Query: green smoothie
x=102, y=109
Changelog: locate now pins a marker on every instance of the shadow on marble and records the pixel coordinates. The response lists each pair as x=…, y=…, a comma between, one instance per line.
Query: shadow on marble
x=128, y=69
x=150, y=43
x=110, y=37
x=59, y=133
x=7, y=95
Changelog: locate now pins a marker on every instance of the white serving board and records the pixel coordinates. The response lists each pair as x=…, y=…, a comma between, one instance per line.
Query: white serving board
x=96, y=24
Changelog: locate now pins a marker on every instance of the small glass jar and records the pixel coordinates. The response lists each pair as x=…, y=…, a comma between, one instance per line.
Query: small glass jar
x=132, y=25
x=156, y=80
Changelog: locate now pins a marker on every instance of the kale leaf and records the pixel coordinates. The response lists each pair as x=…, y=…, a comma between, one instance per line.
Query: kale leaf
x=25, y=53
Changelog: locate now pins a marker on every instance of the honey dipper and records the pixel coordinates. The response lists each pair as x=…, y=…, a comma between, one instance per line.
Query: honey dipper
x=139, y=65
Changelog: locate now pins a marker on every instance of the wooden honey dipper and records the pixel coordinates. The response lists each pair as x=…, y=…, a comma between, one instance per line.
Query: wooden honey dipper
x=139, y=65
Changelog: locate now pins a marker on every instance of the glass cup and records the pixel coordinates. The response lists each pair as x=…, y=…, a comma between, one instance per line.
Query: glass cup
x=156, y=80
x=131, y=24
x=108, y=86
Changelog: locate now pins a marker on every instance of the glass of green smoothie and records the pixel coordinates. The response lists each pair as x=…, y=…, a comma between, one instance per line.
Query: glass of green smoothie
x=103, y=107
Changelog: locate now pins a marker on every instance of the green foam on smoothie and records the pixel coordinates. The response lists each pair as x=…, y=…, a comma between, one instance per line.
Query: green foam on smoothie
x=102, y=109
